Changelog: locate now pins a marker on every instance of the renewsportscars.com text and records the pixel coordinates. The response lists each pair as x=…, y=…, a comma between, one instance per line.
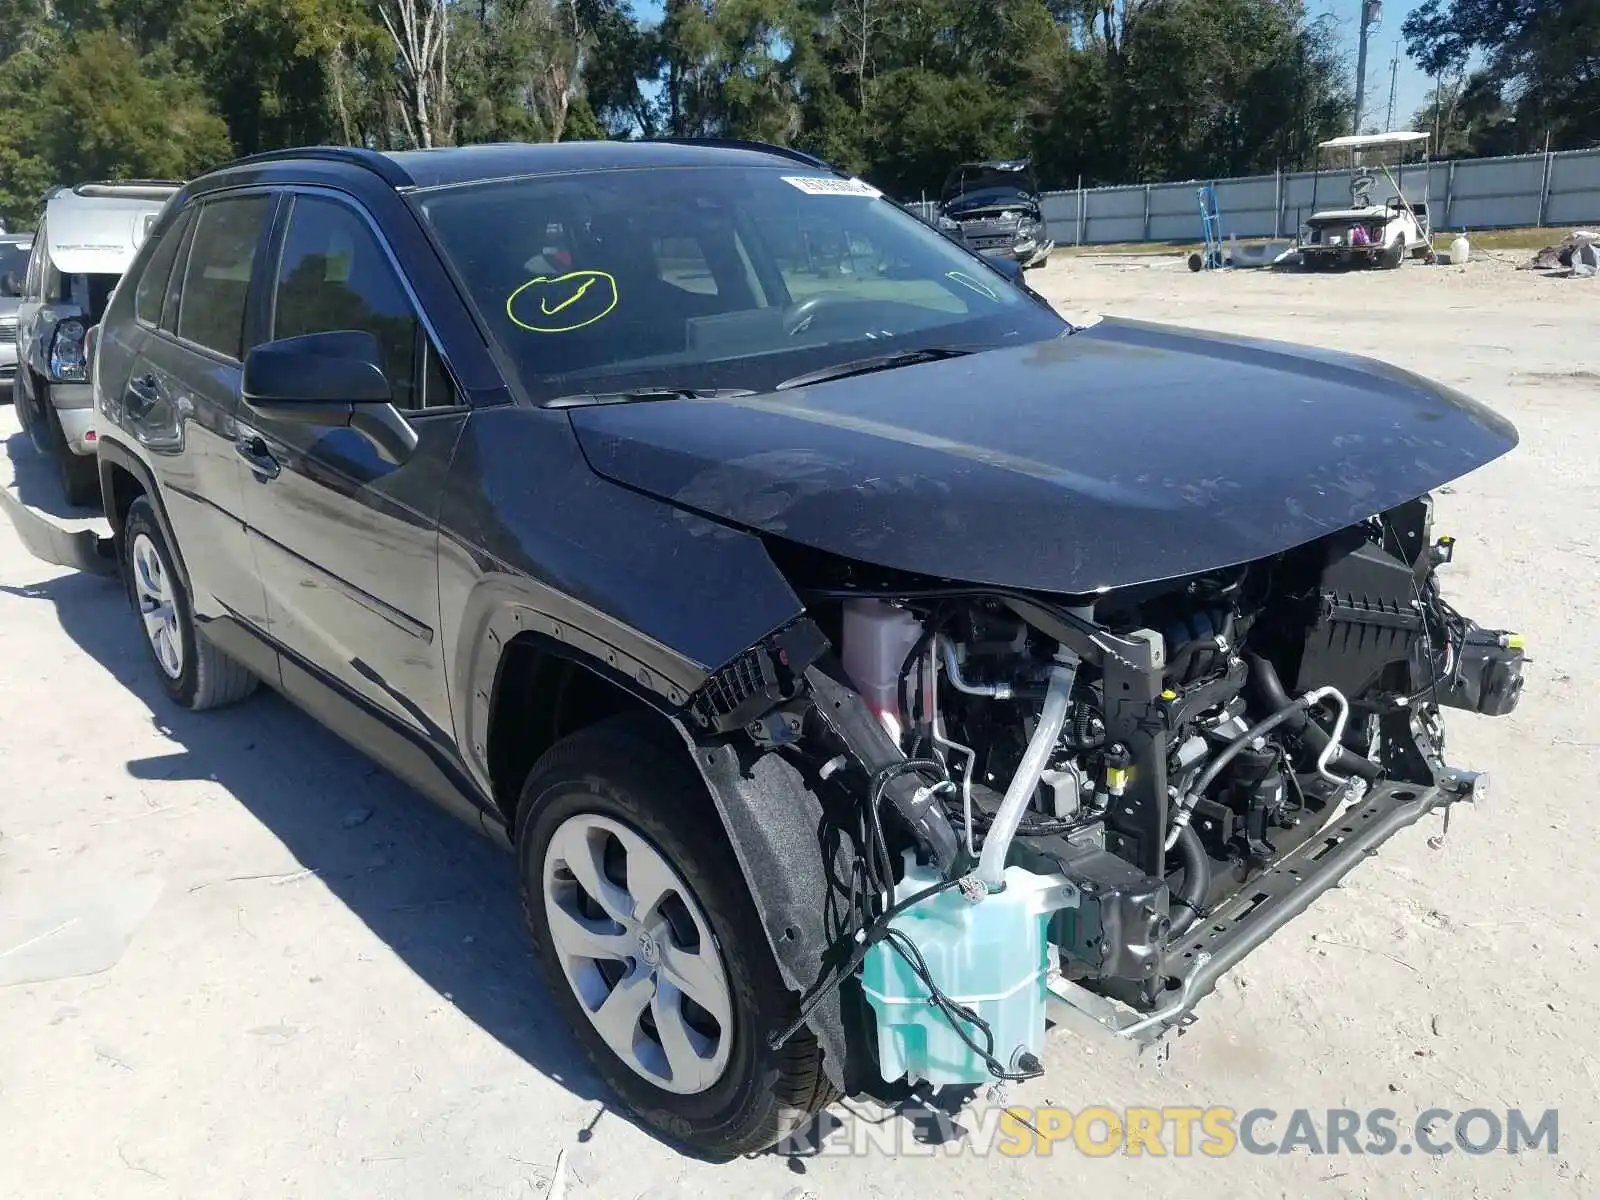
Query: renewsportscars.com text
x=1215, y=1132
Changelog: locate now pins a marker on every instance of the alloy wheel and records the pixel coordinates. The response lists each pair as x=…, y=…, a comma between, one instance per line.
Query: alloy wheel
x=153, y=594
x=638, y=952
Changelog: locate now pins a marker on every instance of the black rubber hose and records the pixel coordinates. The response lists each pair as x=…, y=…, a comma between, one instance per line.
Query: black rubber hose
x=1191, y=897
x=1268, y=689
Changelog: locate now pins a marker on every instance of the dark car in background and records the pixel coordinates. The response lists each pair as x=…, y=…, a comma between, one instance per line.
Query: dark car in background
x=860, y=662
x=994, y=207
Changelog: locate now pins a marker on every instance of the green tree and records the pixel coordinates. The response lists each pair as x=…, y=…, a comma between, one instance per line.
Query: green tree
x=114, y=113
x=1540, y=72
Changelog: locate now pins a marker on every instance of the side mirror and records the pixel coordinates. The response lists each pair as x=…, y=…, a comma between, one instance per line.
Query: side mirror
x=329, y=379
x=316, y=370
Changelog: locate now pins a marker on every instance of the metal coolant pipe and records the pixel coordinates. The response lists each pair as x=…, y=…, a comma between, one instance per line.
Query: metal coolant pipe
x=1057, y=698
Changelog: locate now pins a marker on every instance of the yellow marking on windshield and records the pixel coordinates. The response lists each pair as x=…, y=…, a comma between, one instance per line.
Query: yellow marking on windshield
x=567, y=290
x=544, y=305
x=975, y=285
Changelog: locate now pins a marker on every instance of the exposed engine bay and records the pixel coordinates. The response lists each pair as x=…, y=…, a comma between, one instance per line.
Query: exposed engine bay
x=1152, y=757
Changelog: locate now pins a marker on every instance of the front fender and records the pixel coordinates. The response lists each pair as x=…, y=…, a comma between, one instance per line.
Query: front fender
x=532, y=540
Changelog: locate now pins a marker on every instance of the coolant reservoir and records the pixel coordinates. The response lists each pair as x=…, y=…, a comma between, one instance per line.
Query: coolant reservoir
x=877, y=638
x=991, y=956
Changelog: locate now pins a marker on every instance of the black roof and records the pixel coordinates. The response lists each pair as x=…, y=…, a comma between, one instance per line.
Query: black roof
x=505, y=160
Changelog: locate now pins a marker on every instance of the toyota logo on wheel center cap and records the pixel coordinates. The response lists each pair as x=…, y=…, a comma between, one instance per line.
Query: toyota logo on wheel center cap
x=648, y=950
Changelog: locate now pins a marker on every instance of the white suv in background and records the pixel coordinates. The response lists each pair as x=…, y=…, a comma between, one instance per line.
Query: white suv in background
x=86, y=239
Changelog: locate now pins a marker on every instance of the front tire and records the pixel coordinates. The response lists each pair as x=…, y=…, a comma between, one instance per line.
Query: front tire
x=194, y=673
x=23, y=405
x=653, y=948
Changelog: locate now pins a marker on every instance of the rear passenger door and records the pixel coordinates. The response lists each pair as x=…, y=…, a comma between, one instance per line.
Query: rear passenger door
x=178, y=398
x=346, y=538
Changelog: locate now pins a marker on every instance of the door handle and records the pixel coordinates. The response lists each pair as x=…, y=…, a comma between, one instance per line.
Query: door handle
x=253, y=449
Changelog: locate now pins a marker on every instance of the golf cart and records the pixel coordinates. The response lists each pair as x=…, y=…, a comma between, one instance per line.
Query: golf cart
x=1370, y=232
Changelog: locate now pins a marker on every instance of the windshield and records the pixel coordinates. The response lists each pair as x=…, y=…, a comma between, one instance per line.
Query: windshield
x=13, y=263
x=713, y=277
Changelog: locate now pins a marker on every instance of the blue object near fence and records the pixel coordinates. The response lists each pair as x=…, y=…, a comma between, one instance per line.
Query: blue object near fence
x=1210, y=229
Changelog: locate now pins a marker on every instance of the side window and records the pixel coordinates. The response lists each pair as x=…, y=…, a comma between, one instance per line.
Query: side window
x=681, y=261
x=32, y=287
x=152, y=289
x=334, y=275
x=216, y=279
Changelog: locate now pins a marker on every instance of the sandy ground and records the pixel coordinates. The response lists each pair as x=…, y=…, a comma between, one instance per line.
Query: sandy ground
x=236, y=959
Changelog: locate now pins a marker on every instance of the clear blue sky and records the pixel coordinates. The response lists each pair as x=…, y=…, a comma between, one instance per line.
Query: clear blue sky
x=1411, y=85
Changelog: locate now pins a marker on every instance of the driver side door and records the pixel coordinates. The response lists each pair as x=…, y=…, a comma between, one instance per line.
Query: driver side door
x=345, y=534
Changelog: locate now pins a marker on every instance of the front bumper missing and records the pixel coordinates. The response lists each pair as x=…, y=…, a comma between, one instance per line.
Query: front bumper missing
x=1263, y=906
x=47, y=539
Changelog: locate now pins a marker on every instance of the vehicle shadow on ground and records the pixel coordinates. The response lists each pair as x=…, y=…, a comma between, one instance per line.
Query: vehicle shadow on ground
x=36, y=482
x=440, y=895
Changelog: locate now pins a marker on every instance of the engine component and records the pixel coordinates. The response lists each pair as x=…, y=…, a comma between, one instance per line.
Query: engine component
x=1019, y=795
x=877, y=640
x=1261, y=728
x=1486, y=674
x=1119, y=928
x=1367, y=620
x=958, y=988
x=1269, y=688
x=1152, y=774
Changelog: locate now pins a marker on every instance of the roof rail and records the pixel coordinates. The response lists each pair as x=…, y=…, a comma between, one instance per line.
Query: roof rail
x=143, y=189
x=811, y=160
x=356, y=156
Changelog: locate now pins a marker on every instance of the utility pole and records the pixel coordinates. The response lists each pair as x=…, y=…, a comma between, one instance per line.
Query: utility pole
x=1394, y=83
x=1371, y=18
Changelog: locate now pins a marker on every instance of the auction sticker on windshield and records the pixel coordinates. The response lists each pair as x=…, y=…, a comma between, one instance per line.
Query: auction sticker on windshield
x=831, y=185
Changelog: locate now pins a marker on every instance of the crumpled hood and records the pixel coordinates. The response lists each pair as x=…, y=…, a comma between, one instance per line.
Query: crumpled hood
x=1122, y=454
x=968, y=208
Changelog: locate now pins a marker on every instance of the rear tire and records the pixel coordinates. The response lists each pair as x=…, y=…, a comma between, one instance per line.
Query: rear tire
x=194, y=673
x=1392, y=255
x=80, y=477
x=634, y=817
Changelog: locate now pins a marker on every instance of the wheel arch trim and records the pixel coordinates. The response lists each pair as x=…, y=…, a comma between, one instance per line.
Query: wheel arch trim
x=114, y=455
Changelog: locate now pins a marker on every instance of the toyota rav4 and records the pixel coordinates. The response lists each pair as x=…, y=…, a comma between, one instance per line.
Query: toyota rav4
x=867, y=668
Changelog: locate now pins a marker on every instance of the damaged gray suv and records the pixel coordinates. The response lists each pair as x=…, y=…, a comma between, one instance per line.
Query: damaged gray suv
x=868, y=667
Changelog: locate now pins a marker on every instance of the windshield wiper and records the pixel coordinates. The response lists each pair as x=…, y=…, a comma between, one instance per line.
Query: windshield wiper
x=865, y=366
x=641, y=395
